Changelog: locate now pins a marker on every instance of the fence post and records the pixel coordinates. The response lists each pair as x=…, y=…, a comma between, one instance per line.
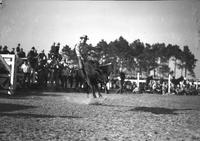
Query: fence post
x=169, y=82
x=138, y=79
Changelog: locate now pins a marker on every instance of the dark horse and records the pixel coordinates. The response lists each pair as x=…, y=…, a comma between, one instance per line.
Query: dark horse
x=94, y=75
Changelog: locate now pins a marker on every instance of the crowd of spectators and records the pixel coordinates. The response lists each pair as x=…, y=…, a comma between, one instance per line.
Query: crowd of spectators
x=18, y=51
x=184, y=87
x=30, y=61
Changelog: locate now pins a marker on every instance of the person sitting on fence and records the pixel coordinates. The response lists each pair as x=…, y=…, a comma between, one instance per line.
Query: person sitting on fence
x=5, y=50
x=13, y=51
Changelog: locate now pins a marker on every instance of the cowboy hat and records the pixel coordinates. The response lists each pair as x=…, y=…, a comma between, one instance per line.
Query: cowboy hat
x=85, y=37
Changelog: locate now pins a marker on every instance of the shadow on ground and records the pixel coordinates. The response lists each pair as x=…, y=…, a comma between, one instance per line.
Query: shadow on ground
x=30, y=94
x=110, y=105
x=7, y=107
x=28, y=115
x=153, y=110
x=158, y=110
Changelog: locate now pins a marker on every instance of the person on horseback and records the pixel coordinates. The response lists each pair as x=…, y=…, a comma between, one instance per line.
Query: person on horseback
x=79, y=49
x=89, y=66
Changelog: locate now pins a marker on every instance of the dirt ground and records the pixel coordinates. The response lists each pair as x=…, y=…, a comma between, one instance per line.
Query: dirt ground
x=116, y=117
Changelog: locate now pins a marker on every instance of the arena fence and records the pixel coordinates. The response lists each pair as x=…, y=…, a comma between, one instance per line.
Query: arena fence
x=7, y=73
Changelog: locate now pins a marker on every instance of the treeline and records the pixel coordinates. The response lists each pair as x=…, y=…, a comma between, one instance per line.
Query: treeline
x=140, y=57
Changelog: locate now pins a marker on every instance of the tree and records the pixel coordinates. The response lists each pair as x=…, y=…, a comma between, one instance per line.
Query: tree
x=137, y=48
x=104, y=54
x=189, y=61
x=162, y=60
x=119, y=50
x=69, y=54
x=175, y=52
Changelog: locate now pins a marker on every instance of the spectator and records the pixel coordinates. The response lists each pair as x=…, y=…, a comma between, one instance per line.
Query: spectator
x=18, y=48
x=22, y=54
x=42, y=58
x=53, y=49
x=121, y=85
x=5, y=50
x=57, y=48
x=13, y=51
x=64, y=73
x=26, y=70
x=32, y=57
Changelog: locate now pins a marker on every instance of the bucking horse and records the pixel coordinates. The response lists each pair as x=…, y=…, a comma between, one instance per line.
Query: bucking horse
x=95, y=75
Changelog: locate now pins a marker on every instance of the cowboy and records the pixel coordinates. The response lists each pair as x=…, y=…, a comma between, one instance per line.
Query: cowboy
x=79, y=48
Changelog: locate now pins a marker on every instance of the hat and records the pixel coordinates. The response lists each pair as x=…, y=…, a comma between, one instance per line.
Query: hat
x=85, y=37
x=33, y=48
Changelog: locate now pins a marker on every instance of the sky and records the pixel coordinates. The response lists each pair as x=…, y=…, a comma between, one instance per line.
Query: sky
x=39, y=23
